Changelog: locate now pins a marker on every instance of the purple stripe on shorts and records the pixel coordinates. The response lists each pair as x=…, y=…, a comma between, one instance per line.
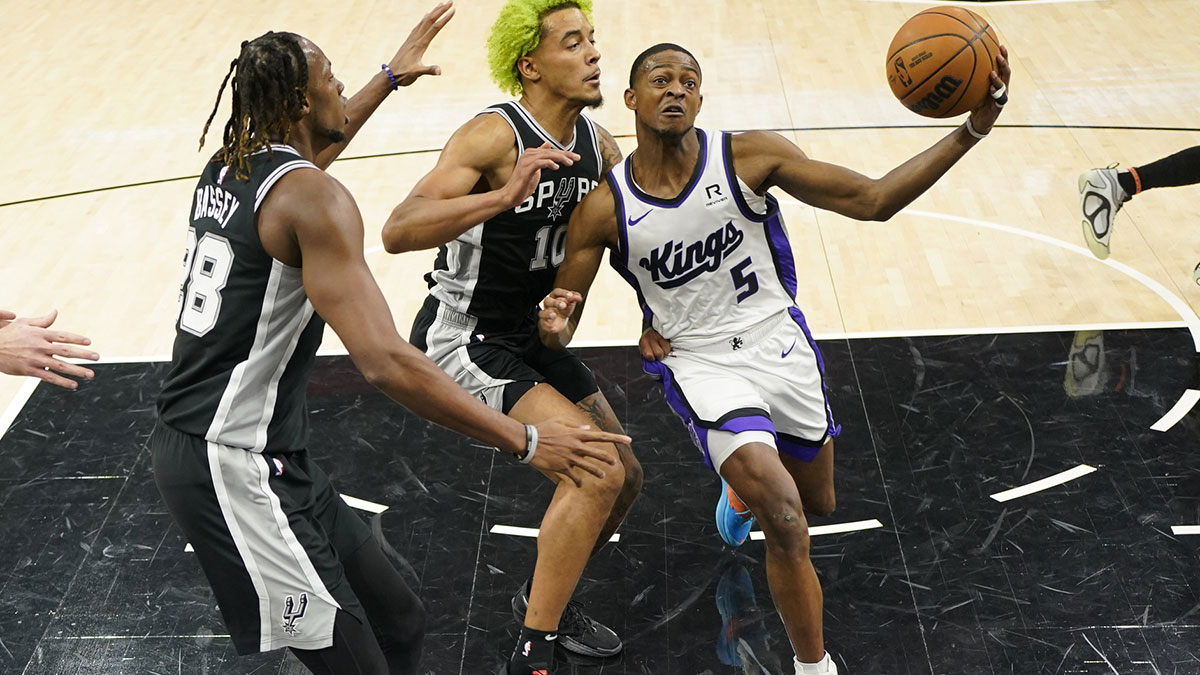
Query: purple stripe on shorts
x=675, y=399
x=834, y=429
x=802, y=452
x=750, y=423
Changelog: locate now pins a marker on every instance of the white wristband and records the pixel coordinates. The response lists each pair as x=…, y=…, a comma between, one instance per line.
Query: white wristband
x=531, y=441
x=971, y=130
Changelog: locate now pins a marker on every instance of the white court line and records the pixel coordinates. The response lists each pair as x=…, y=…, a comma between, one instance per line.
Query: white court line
x=18, y=402
x=1182, y=308
x=836, y=528
x=1045, y=483
x=1177, y=411
x=364, y=505
x=530, y=532
x=353, y=502
x=1185, y=529
x=134, y=637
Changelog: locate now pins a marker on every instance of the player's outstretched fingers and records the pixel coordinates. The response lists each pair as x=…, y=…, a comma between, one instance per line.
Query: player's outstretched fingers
x=6, y=315
x=68, y=368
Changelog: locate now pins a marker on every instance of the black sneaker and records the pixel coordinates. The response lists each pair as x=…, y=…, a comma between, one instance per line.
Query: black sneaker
x=576, y=631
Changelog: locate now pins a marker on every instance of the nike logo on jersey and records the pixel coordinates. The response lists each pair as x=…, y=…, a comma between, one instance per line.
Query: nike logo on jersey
x=674, y=264
x=789, y=350
x=635, y=221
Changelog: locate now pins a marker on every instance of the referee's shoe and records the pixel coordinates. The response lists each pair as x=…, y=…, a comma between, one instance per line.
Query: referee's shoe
x=577, y=632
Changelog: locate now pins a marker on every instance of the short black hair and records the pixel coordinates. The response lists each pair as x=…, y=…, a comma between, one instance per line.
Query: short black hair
x=660, y=47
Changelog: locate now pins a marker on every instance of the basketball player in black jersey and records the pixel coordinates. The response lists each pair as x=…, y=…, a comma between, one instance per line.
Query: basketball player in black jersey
x=275, y=249
x=497, y=204
x=779, y=487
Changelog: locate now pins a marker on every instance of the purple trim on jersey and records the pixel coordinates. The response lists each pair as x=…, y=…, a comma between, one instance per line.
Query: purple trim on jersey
x=619, y=259
x=619, y=208
x=781, y=249
x=732, y=179
x=687, y=191
x=615, y=262
x=834, y=429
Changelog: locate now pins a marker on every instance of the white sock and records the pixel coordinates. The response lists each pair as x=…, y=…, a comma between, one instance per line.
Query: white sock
x=823, y=667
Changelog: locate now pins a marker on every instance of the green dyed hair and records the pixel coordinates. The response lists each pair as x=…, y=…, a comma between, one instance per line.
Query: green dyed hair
x=518, y=31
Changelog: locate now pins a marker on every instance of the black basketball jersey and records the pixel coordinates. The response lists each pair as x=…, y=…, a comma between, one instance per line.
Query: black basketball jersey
x=498, y=271
x=246, y=334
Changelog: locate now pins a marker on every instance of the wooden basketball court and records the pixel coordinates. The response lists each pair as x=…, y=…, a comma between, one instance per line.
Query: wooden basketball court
x=107, y=99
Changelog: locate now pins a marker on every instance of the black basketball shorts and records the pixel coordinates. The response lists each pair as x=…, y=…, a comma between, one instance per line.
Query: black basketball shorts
x=269, y=531
x=498, y=368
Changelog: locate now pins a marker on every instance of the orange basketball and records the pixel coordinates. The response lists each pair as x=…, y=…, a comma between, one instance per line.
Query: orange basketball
x=939, y=61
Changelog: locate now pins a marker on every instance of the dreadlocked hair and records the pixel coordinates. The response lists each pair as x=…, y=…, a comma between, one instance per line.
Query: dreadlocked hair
x=269, y=77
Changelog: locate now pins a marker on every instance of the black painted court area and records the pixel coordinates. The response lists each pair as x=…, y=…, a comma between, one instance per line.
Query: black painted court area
x=1086, y=577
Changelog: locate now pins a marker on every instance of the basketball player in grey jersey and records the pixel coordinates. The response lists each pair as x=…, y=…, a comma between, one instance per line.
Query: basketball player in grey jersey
x=778, y=483
x=497, y=204
x=276, y=247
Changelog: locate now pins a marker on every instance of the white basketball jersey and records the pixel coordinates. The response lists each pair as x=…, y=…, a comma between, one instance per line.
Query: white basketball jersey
x=710, y=263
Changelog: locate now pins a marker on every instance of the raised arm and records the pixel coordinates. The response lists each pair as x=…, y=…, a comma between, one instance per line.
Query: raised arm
x=765, y=159
x=327, y=232
x=406, y=67
x=458, y=194
x=592, y=229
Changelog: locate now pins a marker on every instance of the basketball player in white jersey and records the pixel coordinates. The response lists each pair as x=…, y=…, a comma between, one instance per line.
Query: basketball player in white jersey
x=497, y=206
x=692, y=227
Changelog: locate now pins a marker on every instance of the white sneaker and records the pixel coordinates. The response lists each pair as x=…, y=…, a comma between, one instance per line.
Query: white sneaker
x=825, y=667
x=1100, y=197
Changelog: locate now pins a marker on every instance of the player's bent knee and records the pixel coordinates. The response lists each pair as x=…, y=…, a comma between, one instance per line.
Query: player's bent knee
x=785, y=527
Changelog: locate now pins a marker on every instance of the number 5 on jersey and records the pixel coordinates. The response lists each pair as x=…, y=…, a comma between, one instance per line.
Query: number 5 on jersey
x=747, y=284
x=206, y=267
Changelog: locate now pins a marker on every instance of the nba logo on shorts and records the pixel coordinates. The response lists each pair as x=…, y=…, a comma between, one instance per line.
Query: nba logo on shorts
x=293, y=612
x=527, y=648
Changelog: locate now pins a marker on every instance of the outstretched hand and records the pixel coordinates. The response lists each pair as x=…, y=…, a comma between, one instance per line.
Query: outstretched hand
x=528, y=171
x=570, y=451
x=406, y=65
x=28, y=347
x=983, y=117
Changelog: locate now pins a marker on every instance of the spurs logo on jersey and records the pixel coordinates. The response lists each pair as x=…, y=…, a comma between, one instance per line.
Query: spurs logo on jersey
x=498, y=271
x=710, y=262
x=293, y=611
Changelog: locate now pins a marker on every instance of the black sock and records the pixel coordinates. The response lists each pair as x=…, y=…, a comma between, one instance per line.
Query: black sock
x=1181, y=168
x=534, y=654
x=1126, y=181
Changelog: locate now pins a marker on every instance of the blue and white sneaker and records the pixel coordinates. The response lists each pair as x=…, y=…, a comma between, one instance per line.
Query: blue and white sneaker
x=734, y=519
